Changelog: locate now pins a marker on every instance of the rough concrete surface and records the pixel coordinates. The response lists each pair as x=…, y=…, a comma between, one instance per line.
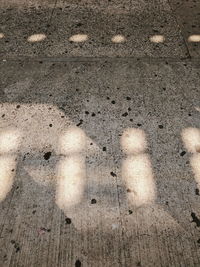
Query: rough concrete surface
x=99, y=133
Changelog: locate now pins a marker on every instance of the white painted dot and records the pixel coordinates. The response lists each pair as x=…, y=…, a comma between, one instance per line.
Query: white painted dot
x=118, y=39
x=157, y=39
x=36, y=38
x=78, y=38
x=194, y=38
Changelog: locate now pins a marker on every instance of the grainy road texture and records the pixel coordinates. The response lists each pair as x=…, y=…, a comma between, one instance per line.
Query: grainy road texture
x=99, y=133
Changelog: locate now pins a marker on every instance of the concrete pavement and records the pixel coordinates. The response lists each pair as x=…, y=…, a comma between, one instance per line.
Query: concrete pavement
x=99, y=133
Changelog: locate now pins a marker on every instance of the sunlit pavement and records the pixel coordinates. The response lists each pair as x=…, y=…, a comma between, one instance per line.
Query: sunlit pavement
x=99, y=133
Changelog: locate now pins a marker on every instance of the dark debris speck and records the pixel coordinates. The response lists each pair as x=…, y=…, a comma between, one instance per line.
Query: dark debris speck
x=78, y=263
x=79, y=24
x=45, y=229
x=17, y=248
x=80, y=122
x=16, y=245
x=68, y=221
x=182, y=153
x=195, y=219
x=93, y=201
x=197, y=191
x=47, y=155
x=125, y=114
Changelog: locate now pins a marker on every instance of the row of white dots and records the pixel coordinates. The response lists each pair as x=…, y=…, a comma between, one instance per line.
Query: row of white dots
x=79, y=38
